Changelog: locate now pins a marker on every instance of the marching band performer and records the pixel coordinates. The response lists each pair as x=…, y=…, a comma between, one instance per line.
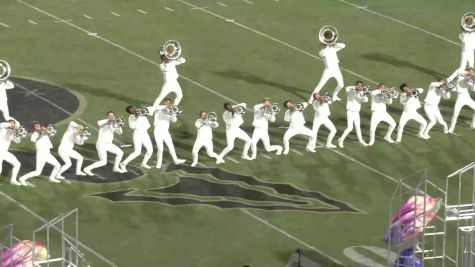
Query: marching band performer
x=43, y=145
x=73, y=135
x=170, y=77
x=107, y=128
x=204, y=126
x=5, y=85
x=467, y=57
x=332, y=69
x=8, y=133
x=294, y=115
x=263, y=114
x=431, y=104
x=321, y=105
x=379, y=99
x=138, y=121
x=465, y=82
x=163, y=116
x=232, y=116
x=355, y=96
x=409, y=98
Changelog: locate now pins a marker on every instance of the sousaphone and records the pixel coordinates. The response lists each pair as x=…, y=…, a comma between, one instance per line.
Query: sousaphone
x=328, y=35
x=5, y=70
x=171, y=49
x=468, y=21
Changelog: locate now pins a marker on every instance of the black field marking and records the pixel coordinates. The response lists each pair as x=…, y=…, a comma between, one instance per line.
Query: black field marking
x=199, y=187
x=26, y=108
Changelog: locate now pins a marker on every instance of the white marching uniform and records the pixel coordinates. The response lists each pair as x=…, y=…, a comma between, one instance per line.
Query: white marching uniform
x=353, y=107
x=141, y=138
x=6, y=136
x=66, y=149
x=379, y=114
x=321, y=117
x=332, y=69
x=463, y=99
x=233, y=122
x=467, y=57
x=411, y=105
x=162, y=135
x=297, y=126
x=43, y=155
x=204, y=139
x=170, y=81
x=6, y=85
x=431, y=106
x=105, y=144
x=261, y=126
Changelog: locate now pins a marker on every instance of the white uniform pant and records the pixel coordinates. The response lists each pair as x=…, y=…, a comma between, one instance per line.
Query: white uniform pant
x=325, y=121
x=4, y=109
x=199, y=143
x=102, y=150
x=43, y=157
x=66, y=153
x=293, y=131
x=163, y=136
x=376, y=118
x=167, y=88
x=140, y=138
x=329, y=73
x=466, y=59
x=262, y=134
x=407, y=116
x=352, y=118
x=231, y=135
x=433, y=114
x=5, y=155
x=463, y=99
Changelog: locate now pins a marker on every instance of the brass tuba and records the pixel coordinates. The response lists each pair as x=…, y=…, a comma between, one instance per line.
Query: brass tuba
x=328, y=35
x=5, y=70
x=468, y=21
x=171, y=49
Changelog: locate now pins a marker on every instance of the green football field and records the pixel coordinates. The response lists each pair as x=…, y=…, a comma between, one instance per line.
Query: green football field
x=256, y=213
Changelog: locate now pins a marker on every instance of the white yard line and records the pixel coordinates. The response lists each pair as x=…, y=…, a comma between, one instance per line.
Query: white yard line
x=169, y=9
x=115, y=14
x=249, y=2
x=233, y=160
x=64, y=20
x=273, y=39
x=222, y=4
x=399, y=21
x=4, y=25
x=33, y=22
x=194, y=8
x=297, y=152
x=265, y=156
x=86, y=16
x=142, y=11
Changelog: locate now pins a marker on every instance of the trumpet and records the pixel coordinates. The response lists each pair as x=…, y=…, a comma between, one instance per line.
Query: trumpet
x=118, y=123
x=468, y=21
x=49, y=131
x=19, y=132
x=5, y=70
x=390, y=93
x=173, y=110
x=84, y=132
x=239, y=110
x=142, y=111
x=299, y=106
x=212, y=117
x=171, y=49
x=273, y=109
x=328, y=35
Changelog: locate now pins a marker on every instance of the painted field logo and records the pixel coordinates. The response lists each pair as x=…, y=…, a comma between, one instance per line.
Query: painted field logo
x=222, y=189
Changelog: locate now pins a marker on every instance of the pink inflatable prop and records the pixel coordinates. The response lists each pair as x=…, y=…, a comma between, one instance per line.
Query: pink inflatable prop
x=21, y=254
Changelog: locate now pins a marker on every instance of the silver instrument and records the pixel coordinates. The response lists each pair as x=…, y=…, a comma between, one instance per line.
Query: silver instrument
x=142, y=111
x=84, y=132
x=328, y=35
x=118, y=123
x=239, y=110
x=273, y=109
x=212, y=117
x=365, y=92
x=20, y=132
x=449, y=86
x=173, y=110
x=50, y=131
x=469, y=79
x=415, y=93
x=390, y=93
x=468, y=21
x=171, y=49
x=5, y=70
x=299, y=106
x=327, y=98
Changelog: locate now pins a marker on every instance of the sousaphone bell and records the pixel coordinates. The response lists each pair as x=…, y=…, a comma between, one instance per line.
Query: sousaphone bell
x=5, y=70
x=171, y=49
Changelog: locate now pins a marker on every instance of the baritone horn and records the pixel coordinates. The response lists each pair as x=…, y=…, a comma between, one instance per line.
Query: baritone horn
x=173, y=110
x=468, y=21
x=328, y=35
x=212, y=117
x=5, y=70
x=390, y=93
x=118, y=123
x=273, y=109
x=171, y=49
x=299, y=106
